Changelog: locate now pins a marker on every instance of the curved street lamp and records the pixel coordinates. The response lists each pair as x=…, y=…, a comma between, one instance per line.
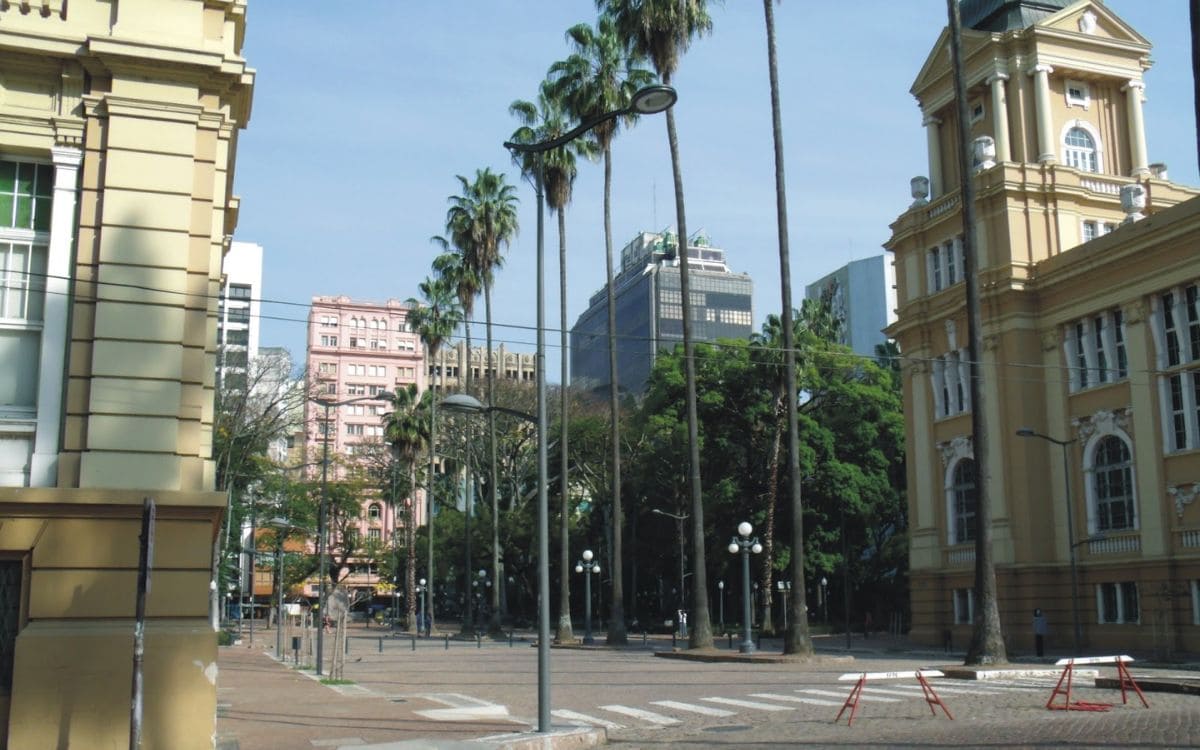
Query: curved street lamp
x=745, y=545
x=587, y=567
x=646, y=101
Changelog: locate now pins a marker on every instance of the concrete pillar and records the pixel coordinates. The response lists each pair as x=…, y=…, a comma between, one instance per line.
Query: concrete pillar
x=1046, y=146
x=1000, y=117
x=1137, y=129
x=935, y=155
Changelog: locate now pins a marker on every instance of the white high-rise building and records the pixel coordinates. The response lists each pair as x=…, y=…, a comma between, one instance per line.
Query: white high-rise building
x=237, y=316
x=863, y=297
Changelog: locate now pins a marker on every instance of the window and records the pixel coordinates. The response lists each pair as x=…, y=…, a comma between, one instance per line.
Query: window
x=1117, y=603
x=354, y=429
x=329, y=341
x=945, y=265
x=1113, y=477
x=355, y=410
x=1090, y=231
x=356, y=389
x=1080, y=150
x=327, y=368
x=329, y=321
x=238, y=314
x=239, y=291
x=374, y=535
x=977, y=111
x=237, y=338
x=1176, y=329
x=964, y=497
x=1078, y=94
x=22, y=284
x=406, y=345
x=951, y=383
x=1095, y=351
x=375, y=390
x=964, y=606
x=374, y=510
x=26, y=190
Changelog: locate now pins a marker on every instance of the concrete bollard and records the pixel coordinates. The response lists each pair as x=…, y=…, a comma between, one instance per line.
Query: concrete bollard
x=447, y=637
x=478, y=641
x=644, y=636
x=510, y=639
x=414, y=643
x=347, y=645
x=381, y=645
x=730, y=641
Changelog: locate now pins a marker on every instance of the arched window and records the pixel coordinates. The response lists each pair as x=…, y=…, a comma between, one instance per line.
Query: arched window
x=1079, y=150
x=373, y=511
x=963, y=500
x=1112, y=467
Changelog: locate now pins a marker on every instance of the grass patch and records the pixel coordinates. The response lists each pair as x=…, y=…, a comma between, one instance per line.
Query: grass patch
x=329, y=681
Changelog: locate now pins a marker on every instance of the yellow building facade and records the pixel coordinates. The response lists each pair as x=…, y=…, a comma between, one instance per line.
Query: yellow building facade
x=1091, y=327
x=118, y=129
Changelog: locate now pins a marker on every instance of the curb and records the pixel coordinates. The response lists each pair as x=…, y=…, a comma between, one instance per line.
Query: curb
x=706, y=655
x=1155, y=685
x=562, y=738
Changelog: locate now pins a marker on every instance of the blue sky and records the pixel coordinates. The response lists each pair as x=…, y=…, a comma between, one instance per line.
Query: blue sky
x=364, y=113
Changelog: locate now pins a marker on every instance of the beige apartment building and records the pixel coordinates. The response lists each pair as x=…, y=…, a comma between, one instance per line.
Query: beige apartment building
x=118, y=129
x=515, y=366
x=1091, y=329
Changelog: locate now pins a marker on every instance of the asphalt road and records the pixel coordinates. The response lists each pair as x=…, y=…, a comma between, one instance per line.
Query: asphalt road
x=647, y=701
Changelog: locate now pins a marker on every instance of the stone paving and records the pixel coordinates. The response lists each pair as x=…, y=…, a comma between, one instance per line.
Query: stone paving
x=473, y=690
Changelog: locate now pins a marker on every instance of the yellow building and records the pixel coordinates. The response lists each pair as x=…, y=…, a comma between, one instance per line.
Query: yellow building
x=118, y=129
x=1091, y=330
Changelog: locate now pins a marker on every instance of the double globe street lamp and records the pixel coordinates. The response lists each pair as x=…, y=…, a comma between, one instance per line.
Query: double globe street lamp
x=744, y=544
x=587, y=566
x=646, y=101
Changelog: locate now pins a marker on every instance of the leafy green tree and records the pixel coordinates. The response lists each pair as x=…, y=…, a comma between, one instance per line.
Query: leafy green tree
x=406, y=431
x=662, y=30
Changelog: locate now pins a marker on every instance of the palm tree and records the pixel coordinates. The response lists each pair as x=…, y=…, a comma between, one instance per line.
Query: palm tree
x=434, y=318
x=796, y=640
x=406, y=430
x=662, y=30
x=987, y=640
x=602, y=76
x=541, y=121
x=482, y=221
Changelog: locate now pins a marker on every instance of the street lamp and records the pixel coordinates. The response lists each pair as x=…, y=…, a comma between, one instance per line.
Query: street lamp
x=646, y=101
x=421, y=589
x=1078, y=630
x=785, y=588
x=588, y=567
x=323, y=511
x=825, y=598
x=744, y=544
x=721, y=588
x=280, y=525
x=481, y=586
x=679, y=519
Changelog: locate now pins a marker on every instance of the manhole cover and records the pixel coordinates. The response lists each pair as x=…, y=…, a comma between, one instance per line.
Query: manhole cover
x=729, y=728
x=399, y=700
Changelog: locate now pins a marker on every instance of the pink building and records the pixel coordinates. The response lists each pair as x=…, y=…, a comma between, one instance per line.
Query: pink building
x=356, y=350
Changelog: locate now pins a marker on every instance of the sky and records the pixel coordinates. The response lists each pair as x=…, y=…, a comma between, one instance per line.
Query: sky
x=364, y=113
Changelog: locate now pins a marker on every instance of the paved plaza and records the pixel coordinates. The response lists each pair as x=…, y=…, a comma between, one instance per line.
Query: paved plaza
x=438, y=693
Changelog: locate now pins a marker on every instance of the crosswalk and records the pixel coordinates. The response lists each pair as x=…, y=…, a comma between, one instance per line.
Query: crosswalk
x=669, y=713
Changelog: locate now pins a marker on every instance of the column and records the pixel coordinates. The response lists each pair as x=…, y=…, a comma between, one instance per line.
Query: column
x=1000, y=116
x=44, y=462
x=1137, y=128
x=934, y=142
x=1041, y=86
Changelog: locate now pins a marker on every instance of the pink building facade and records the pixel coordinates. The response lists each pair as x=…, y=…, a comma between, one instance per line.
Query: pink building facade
x=356, y=350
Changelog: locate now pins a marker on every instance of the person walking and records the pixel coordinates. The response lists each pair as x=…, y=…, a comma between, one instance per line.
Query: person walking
x=1039, y=632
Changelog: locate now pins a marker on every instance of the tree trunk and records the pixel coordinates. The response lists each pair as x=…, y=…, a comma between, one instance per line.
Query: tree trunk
x=797, y=639
x=987, y=639
x=565, y=633
x=430, y=493
x=701, y=634
x=410, y=542
x=768, y=625
x=495, y=626
x=617, y=634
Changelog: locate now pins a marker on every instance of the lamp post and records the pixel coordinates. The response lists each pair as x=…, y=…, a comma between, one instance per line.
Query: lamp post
x=825, y=598
x=587, y=566
x=721, y=588
x=1078, y=630
x=323, y=512
x=421, y=589
x=481, y=585
x=745, y=545
x=785, y=588
x=280, y=525
x=648, y=100
x=679, y=519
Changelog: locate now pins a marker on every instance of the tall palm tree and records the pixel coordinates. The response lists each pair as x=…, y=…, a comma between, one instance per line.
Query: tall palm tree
x=434, y=317
x=406, y=429
x=602, y=76
x=482, y=221
x=796, y=640
x=662, y=30
x=987, y=640
x=541, y=121
x=455, y=269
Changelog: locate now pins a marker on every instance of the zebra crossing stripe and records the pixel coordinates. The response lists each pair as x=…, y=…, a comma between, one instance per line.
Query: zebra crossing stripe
x=749, y=704
x=862, y=696
x=638, y=713
x=796, y=699
x=693, y=708
x=562, y=713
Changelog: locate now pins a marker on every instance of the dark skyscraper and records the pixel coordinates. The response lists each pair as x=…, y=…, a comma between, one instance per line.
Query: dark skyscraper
x=650, y=310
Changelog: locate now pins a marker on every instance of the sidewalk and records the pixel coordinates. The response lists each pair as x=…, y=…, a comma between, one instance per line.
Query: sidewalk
x=265, y=705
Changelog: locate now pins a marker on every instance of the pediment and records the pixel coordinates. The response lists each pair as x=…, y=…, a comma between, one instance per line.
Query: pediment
x=937, y=64
x=1094, y=19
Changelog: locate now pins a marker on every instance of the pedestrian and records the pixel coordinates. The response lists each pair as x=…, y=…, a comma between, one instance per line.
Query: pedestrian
x=1039, y=631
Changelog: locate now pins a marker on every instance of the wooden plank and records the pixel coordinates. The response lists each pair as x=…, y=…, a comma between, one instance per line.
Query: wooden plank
x=889, y=675
x=1094, y=660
